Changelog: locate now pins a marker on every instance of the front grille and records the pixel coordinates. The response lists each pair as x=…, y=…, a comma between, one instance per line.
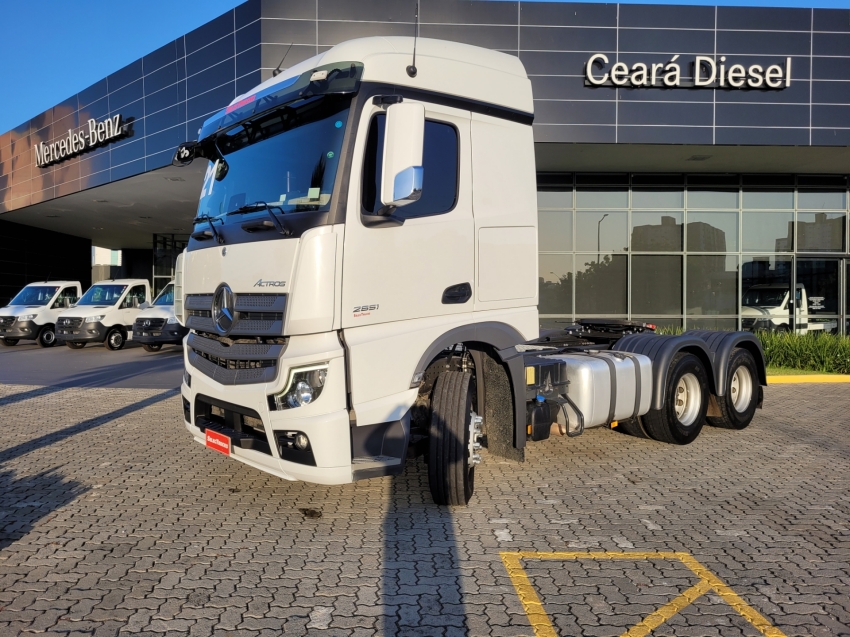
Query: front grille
x=254, y=314
x=260, y=316
x=152, y=324
x=232, y=363
x=201, y=313
x=243, y=426
x=70, y=322
x=6, y=321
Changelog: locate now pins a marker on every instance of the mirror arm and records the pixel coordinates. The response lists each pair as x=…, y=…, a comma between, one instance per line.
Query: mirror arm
x=386, y=211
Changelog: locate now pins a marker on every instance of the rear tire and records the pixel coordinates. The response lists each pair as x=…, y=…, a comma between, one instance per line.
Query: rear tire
x=114, y=339
x=738, y=405
x=451, y=476
x=682, y=415
x=75, y=344
x=632, y=427
x=152, y=347
x=9, y=342
x=47, y=336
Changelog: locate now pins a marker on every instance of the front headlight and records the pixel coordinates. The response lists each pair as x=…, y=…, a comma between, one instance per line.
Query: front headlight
x=94, y=319
x=172, y=320
x=27, y=317
x=305, y=385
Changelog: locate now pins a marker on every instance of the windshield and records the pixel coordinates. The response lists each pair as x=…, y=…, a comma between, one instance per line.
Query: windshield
x=35, y=295
x=286, y=158
x=102, y=295
x=768, y=297
x=166, y=297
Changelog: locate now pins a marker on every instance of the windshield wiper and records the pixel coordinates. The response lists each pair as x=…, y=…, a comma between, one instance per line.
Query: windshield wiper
x=202, y=236
x=262, y=205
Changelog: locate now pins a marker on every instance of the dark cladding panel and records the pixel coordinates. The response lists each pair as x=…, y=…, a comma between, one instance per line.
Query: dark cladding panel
x=210, y=102
x=208, y=56
x=165, y=140
x=831, y=44
x=159, y=58
x=574, y=134
x=367, y=10
x=797, y=93
x=128, y=152
x=832, y=20
x=490, y=37
x=247, y=82
x=762, y=136
x=763, y=43
x=830, y=116
x=831, y=68
x=166, y=118
x=127, y=170
x=568, y=14
x=248, y=37
x=247, y=61
x=293, y=9
x=129, y=73
x=664, y=134
x=161, y=99
x=568, y=88
x=288, y=31
x=211, y=78
x=557, y=112
x=247, y=12
x=159, y=79
x=666, y=16
x=763, y=18
x=274, y=54
x=567, y=39
x=672, y=41
x=556, y=62
x=466, y=12
x=210, y=32
x=831, y=137
x=664, y=95
x=123, y=96
x=830, y=92
x=790, y=115
x=672, y=114
x=331, y=33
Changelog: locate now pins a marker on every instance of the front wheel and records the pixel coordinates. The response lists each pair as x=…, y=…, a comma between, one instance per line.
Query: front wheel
x=115, y=339
x=152, y=347
x=9, y=342
x=738, y=405
x=75, y=344
x=682, y=415
x=452, y=439
x=47, y=336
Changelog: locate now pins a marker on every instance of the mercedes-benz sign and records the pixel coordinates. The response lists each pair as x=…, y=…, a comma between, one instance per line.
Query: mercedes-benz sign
x=222, y=308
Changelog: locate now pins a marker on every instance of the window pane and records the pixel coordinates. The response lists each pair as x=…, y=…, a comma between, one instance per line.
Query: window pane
x=555, y=275
x=712, y=284
x=657, y=231
x=713, y=199
x=768, y=231
x=820, y=231
x=554, y=200
x=658, y=198
x=767, y=199
x=823, y=200
x=656, y=285
x=555, y=230
x=602, y=231
x=602, y=198
x=601, y=286
x=712, y=231
x=765, y=282
x=709, y=323
x=819, y=281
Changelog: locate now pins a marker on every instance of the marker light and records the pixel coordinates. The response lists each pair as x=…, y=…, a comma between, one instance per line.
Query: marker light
x=171, y=320
x=305, y=385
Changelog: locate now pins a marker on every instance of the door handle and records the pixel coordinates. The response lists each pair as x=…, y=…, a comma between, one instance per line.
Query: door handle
x=457, y=294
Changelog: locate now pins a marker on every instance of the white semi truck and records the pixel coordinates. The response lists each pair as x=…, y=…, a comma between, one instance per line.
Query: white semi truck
x=361, y=283
x=32, y=314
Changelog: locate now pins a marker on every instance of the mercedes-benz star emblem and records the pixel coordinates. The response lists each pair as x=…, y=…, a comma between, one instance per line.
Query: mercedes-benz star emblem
x=222, y=308
x=147, y=323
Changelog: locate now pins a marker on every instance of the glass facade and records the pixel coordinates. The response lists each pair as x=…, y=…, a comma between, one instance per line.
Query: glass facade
x=695, y=251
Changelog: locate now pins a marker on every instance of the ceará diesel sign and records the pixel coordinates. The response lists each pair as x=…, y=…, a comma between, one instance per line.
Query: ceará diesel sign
x=75, y=143
x=705, y=71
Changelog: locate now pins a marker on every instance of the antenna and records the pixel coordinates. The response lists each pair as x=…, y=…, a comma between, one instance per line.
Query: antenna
x=277, y=71
x=411, y=70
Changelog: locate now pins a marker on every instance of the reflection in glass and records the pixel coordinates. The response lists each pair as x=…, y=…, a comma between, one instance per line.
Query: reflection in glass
x=768, y=199
x=768, y=231
x=712, y=231
x=820, y=231
x=765, y=284
x=555, y=200
x=602, y=198
x=656, y=284
x=819, y=281
x=601, y=285
x=657, y=231
x=712, y=284
x=727, y=199
x=821, y=200
x=555, y=276
x=658, y=198
x=710, y=323
x=602, y=231
x=555, y=230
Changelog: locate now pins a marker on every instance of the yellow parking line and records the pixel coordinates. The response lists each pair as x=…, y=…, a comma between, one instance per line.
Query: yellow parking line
x=542, y=625
x=811, y=378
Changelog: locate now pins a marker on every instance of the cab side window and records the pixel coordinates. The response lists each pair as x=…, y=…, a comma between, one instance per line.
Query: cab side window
x=136, y=292
x=69, y=295
x=440, y=161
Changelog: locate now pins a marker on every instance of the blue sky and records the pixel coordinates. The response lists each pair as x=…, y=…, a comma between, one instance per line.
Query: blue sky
x=52, y=49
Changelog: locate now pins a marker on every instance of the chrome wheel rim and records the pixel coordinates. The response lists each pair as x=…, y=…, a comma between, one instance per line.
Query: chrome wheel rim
x=741, y=389
x=474, y=439
x=115, y=340
x=48, y=337
x=687, y=399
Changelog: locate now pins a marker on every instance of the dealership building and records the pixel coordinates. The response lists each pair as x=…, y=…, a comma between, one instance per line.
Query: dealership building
x=692, y=161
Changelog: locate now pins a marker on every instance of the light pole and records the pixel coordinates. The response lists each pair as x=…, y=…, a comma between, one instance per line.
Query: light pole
x=598, y=233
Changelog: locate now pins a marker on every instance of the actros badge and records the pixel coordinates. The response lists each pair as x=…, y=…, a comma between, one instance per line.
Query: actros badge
x=269, y=284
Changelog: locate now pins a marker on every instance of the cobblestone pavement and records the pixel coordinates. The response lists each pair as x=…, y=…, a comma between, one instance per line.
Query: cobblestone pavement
x=112, y=521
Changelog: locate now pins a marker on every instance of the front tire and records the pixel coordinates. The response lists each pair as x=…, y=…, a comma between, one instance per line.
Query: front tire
x=152, y=347
x=9, y=342
x=75, y=344
x=451, y=476
x=114, y=339
x=47, y=336
x=682, y=415
x=738, y=405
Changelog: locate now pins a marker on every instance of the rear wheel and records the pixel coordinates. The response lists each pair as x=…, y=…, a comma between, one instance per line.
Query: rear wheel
x=682, y=415
x=75, y=344
x=738, y=405
x=452, y=439
x=115, y=339
x=8, y=342
x=47, y=336
x=152, y=347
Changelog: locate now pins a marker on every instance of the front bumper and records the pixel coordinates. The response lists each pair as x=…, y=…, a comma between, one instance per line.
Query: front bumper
x=168, y=335
x=20, y=330
x=86, y=333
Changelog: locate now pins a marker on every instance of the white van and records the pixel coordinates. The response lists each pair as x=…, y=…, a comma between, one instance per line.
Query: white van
x=157, y=325
x=33, y=312
x=766, y=307
x=104, y=314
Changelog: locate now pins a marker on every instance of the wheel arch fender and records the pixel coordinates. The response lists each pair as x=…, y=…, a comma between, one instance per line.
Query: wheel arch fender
x=661, y=350
x=721, y=345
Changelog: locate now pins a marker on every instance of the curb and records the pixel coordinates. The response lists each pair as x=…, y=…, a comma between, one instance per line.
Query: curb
x=811, y=378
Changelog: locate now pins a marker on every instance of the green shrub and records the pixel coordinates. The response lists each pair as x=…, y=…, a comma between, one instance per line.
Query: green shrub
x=828, y=353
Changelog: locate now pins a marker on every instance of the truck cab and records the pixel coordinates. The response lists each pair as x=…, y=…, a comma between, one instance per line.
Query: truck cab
x=104, y=314
x=32, y=314
x=157, y=326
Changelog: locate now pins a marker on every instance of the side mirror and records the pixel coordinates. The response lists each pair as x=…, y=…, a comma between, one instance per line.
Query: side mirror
x=135, y=302
x=144, y=305
x=66, y=302
x=185, y=154
x=404, y=138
